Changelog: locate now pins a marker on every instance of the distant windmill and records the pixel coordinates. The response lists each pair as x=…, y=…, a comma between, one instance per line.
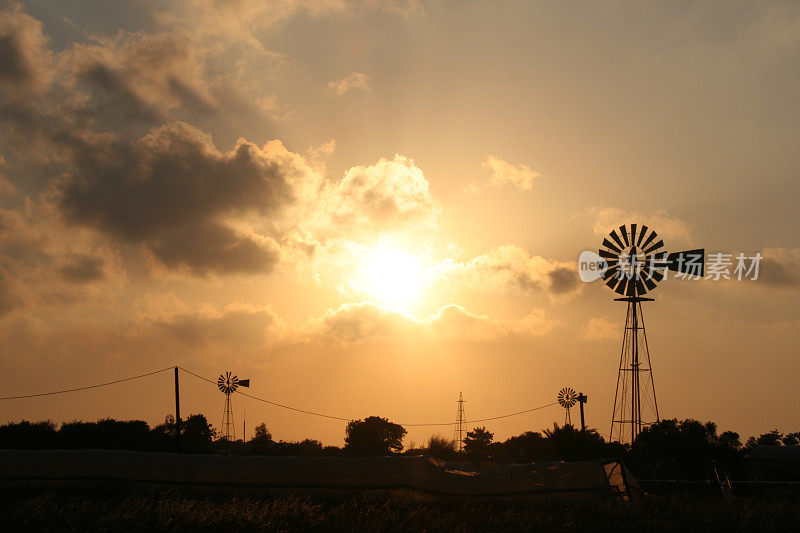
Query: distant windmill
x=633, y=263
x=228, y=385
x=566, y=399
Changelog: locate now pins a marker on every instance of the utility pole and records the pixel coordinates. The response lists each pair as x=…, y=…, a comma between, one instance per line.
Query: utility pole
x=582, y=399
x=177, y=413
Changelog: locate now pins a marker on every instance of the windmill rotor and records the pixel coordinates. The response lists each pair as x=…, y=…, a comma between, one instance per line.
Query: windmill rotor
x=635, y=260
x=567, y=397
x=227, y=383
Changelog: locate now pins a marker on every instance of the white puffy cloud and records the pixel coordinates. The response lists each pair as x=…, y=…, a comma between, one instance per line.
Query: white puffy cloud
x=357, y=323
x=511, y=267
x=600, y=328
x=604, y=219
x=503, y=172
x=355, y=80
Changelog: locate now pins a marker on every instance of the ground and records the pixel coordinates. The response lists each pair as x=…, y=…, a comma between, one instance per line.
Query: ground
x=67, y=506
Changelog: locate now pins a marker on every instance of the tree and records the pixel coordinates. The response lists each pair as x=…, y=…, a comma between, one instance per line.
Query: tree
x=791, y=439
x=197, y=434
x=772, y=438
x=441, y=448
x=478, y=443
x=373, y=436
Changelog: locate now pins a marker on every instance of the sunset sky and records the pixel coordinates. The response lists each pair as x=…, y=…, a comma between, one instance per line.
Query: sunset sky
x=368, y=206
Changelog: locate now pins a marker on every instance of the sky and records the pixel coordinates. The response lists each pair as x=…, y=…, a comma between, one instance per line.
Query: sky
x=369, y=206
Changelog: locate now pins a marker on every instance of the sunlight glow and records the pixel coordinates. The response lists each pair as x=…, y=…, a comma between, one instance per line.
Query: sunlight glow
x=394, y=278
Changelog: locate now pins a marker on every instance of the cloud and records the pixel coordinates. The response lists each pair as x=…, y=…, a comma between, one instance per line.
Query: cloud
x=355, y=80
x=598, y=329
x=513, y=268
x=232, y=328
x=357, y=323
x=174, y=193
x=138, y=76
x=670, y=228
x=25, y=61
x=503, y=172
x=391, y=194
x=82, y=269
x=780, y=267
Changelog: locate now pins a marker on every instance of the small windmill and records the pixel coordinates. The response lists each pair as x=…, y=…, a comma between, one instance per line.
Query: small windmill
x=566, y=399
x=228, y=385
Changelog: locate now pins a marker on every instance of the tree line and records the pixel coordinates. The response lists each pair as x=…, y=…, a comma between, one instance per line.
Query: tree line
x=683, y=449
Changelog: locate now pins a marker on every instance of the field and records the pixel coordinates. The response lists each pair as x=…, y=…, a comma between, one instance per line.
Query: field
x=113, y=507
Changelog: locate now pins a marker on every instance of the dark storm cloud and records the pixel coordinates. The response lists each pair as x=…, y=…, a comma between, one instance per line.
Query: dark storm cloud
x=563, y=280
x=82, y=269
x=173, y=191
x=234, y=327
x=140, y=77
x=780, y=268
x=24, y=57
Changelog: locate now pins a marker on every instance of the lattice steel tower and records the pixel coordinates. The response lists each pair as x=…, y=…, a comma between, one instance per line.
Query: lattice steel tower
x=460, y=431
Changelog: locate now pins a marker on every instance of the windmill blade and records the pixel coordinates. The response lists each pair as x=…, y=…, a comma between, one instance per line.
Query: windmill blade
x=612, y=271
x=641, y=236
x=630, y=290
x=607, y=254
x=653, y=247
x=612, y=282
x=688, y=262
x=610, y=245
x=633, y=234
x=616, y=238
x=624, y=231
x=649, y=238
x=657, y=275
x=640, y=288
x=649, y=283
x=244, y=383
x=623, y=283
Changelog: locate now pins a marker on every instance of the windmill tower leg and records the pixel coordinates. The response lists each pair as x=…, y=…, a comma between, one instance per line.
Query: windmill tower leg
x=228, y=428
x=635, y=402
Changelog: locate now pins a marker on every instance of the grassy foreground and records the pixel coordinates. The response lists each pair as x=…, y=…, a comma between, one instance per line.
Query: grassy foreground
x=141, y=508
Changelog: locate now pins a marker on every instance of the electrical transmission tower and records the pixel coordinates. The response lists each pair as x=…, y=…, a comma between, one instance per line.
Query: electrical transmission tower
x=460, y=431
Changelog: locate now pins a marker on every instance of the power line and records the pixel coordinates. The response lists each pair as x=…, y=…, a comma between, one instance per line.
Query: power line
x=269, y=402
x=86, y=387
x=350, y=419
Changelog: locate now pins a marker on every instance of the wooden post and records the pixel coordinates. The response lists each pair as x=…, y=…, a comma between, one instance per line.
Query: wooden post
x=177, y=413
x=582, y=398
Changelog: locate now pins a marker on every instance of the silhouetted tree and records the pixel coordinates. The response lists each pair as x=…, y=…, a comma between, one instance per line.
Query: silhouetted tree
x=261, y=443
x=684, y=449
x=478, y=443
x=197, y=434
x=28, y=435
x=771, y=438
x=791, y=439
x=571, y=444
x=441, y=448
x=373, y=436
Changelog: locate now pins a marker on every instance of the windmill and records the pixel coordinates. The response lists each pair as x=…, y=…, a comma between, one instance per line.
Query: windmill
x=227, y=385
x=633, y=263
x=566, y=399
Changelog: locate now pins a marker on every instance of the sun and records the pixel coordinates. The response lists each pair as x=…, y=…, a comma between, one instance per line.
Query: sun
x=393, y=278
